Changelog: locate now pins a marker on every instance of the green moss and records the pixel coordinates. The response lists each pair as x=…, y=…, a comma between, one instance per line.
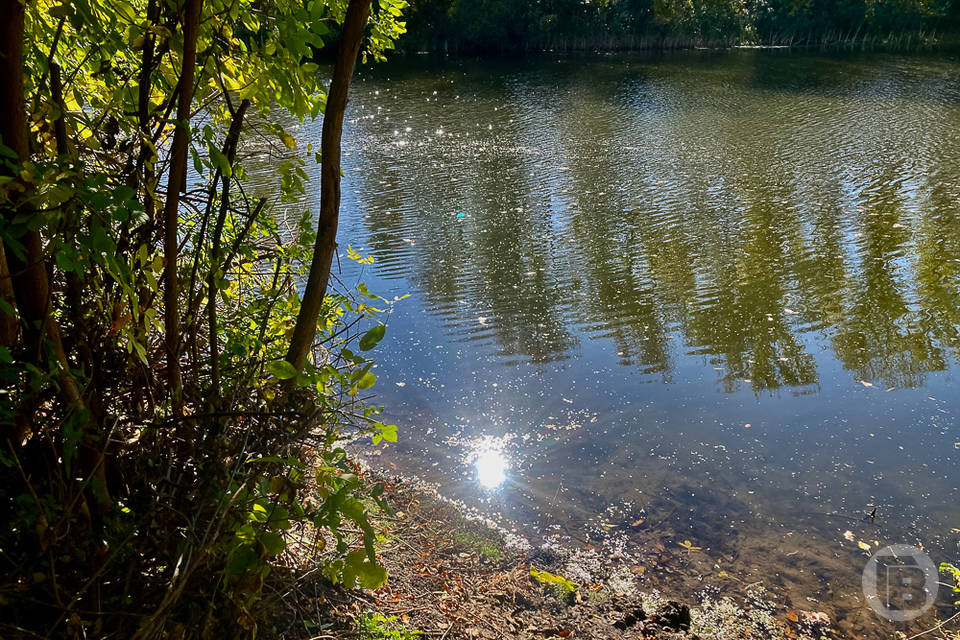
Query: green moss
x=470, y=542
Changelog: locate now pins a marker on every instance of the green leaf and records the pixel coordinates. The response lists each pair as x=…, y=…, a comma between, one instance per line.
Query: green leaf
x=359, y=569
x=241, y=560
x=282, y=369
x=123, y=193
x=99, y=200
x=372, y=337
x=273, y=543
x=7, y=308
x=371, y=576
x=101, y=241
x=388, y=432
x=366, y=381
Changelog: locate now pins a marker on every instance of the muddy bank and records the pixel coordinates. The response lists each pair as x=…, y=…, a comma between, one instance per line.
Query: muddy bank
x=459, y=577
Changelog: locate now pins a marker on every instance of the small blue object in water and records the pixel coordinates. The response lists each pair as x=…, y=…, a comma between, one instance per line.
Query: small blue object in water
x=461, y=214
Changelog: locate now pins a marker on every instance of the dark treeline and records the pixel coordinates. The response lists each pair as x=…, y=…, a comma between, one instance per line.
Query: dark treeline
x=508, y=26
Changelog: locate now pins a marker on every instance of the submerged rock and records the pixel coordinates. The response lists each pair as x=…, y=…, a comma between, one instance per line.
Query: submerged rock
x=674, y=615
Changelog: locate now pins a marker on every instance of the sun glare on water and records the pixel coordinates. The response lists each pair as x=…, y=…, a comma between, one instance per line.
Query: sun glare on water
x=491, y=466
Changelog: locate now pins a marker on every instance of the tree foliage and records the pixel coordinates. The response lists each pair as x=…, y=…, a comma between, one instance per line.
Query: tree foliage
x=504, y=26
x=155, y=442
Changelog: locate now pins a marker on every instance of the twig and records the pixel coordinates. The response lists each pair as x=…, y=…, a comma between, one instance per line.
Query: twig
x=936, y=628
x=447, y=631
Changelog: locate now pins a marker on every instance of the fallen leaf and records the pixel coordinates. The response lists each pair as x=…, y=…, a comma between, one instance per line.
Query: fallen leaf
x=863, y=545
x=637, y=523
x=849, y=535
x=866, y=384
x=686, y=544
x=815, y=617
x=792, y=616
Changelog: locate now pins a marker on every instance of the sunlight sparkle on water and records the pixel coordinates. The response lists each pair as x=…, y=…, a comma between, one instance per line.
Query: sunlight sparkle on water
x=491, y=468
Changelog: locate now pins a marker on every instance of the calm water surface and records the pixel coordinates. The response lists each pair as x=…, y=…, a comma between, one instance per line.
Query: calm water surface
x=716, y=292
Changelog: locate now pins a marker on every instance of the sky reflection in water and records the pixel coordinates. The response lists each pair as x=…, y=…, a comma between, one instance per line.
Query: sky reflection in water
x=716, y=292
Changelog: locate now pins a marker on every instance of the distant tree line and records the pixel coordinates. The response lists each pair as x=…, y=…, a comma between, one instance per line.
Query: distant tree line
x=483, y=26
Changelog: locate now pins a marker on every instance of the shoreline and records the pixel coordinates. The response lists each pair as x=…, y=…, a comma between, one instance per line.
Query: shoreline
x=905, y=42
x=458, y=576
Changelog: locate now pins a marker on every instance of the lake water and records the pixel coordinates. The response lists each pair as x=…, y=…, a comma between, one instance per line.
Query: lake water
x=715, y=292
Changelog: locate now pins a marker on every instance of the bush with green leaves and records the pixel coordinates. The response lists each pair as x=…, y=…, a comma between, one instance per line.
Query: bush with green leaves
x=161, y=458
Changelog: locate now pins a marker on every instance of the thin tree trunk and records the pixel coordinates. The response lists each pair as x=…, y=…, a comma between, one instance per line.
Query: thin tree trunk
x=24, y=271
x=29, y=271
x=13, y=136
x=304, y=332
x=145, y=168
x=230, y=150
x=175, y=184
x=9, y=330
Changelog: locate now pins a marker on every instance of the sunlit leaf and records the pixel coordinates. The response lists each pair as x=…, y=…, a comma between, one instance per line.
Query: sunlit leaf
x=372, y=337
x=282, y=369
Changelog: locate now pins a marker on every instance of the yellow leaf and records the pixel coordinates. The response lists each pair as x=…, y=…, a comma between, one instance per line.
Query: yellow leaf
x=288, y=141
x=863, y=545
